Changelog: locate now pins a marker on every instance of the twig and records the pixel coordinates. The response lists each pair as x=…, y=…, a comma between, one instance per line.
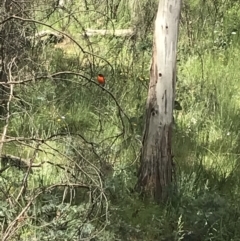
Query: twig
x=4, y=133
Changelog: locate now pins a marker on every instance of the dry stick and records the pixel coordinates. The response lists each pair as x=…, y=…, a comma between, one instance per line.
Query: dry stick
x=5, y=128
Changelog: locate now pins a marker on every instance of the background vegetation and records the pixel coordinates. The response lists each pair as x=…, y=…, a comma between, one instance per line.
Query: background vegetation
x=83, y=142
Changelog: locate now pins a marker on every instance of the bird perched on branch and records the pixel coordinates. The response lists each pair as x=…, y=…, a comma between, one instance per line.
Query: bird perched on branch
x=101, y=79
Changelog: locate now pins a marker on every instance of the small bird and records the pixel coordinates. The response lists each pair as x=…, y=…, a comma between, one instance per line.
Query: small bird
x=101, y=79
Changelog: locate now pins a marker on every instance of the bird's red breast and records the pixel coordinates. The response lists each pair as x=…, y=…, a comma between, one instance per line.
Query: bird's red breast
x=101, y=79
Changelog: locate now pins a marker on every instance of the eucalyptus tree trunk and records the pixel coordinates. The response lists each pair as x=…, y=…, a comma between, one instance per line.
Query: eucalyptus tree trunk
x=155, y=174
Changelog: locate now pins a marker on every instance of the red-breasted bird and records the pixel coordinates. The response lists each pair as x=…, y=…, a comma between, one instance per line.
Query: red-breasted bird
x=101, y=79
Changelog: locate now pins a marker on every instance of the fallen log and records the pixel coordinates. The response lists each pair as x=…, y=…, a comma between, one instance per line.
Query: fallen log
x=117, y=32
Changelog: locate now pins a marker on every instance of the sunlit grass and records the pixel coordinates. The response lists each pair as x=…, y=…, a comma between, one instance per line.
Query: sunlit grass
x=209, y=90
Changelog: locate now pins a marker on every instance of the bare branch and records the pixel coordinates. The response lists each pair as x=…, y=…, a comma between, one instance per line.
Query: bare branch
x=8, y=114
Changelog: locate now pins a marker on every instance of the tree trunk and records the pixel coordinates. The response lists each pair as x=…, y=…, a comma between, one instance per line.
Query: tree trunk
x=155, y=174
x=13, y=53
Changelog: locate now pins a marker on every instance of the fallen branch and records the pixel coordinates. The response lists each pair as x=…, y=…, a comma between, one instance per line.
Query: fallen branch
x=118, y=32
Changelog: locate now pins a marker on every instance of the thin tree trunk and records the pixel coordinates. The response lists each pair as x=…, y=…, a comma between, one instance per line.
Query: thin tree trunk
x=155, y=174
x=13, y=52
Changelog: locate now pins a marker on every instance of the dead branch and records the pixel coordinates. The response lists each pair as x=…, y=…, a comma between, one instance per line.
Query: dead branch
x=8, y=114
x=118, y=32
